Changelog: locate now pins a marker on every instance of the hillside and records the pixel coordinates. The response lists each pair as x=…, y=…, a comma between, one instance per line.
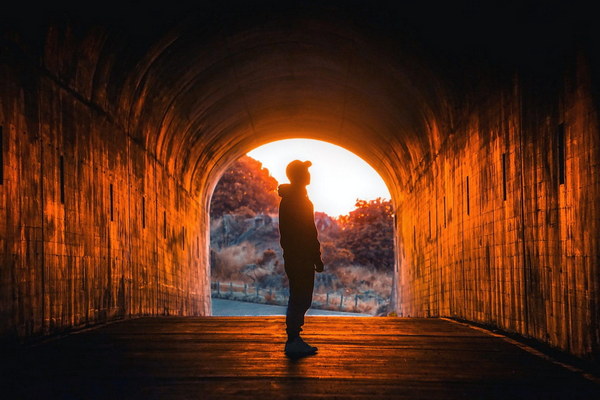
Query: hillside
x=247, y=262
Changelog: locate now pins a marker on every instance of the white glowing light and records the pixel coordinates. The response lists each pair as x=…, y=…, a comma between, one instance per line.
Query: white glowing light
x=338, y=176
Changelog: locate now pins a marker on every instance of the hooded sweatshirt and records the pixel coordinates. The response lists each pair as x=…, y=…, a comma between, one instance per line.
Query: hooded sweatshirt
x=297, y=229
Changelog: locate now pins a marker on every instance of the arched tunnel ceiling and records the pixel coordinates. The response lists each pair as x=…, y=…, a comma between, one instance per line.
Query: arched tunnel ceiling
x=201, y=99
x=202, y=83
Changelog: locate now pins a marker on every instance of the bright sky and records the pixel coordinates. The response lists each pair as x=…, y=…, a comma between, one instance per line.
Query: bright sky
x=338, y=176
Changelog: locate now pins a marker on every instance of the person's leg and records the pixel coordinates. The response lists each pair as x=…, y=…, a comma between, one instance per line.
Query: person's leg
x=301, y=283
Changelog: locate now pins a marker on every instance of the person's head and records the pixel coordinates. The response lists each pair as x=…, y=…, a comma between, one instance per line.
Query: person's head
x=297, y=172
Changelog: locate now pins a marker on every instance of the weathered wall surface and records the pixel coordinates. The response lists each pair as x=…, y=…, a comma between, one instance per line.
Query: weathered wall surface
x=114, y=134
x=503, y=228
x=92, y=227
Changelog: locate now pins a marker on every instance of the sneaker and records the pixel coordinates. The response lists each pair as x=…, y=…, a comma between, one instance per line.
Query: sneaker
x=312, y=348
x=299, y=346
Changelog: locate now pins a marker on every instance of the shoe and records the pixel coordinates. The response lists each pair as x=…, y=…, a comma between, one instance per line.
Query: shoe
x=299, y=347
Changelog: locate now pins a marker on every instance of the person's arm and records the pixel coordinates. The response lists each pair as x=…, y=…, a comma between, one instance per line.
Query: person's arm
x=318, y=262
x=319, y=266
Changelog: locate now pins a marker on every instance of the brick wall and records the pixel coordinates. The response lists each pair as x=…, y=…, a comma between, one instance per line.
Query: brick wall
x=92, y=226
x=502, y=227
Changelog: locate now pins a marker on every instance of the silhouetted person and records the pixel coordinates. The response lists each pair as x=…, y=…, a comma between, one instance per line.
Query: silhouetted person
x=301, y=252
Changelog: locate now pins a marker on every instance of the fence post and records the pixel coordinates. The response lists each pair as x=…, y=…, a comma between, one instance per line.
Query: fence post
x=230, y=287
x=327, y=299
x=218, y=288
x=355, y=301
x=341, y=301
x=245, y=289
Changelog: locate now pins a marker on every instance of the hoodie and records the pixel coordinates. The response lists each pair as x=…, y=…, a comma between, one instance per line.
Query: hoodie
x=298, y=234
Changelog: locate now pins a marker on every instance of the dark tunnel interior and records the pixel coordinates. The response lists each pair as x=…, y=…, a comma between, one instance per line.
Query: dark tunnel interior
x=481, y=119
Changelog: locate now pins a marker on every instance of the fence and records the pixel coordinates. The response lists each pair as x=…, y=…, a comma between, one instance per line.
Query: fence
x=340, y=300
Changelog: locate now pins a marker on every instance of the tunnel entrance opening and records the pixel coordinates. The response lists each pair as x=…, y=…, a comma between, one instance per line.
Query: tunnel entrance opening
x=354, y=217
x=113, y=140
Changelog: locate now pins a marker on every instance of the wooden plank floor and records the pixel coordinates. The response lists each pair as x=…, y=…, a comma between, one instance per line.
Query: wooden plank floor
x=242, y=358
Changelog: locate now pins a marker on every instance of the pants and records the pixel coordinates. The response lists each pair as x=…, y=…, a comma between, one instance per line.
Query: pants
x=301, y=277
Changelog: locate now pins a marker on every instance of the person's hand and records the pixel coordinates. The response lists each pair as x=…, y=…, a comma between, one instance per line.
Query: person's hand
x=319, y=267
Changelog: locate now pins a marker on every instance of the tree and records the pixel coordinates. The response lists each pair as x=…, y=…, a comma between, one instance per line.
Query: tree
x=368, y=232
x=245, y=186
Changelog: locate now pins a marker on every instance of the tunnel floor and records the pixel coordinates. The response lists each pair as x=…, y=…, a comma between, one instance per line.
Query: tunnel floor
x=241, y=358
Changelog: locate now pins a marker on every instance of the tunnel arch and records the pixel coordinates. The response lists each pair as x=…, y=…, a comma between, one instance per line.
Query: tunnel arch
x=259, y=85
x=236, y=152
x=486, y=145
x=379, y=165
x=256, y=84
x=217, y=174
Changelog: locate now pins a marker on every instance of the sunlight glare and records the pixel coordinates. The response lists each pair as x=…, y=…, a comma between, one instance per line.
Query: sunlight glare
x=338, y=176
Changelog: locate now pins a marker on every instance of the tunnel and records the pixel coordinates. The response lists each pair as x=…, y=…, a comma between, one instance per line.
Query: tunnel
x=117, y=122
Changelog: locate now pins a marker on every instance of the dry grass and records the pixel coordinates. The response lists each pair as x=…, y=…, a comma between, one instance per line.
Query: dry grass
x=364, y=290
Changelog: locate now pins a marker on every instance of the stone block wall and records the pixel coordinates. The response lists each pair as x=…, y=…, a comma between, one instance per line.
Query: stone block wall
x=92, y=226
x=102, y=139
x=502, y=227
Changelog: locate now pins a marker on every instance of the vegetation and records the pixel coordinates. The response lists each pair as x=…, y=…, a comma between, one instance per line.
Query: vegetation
x=368, y=232
x=357, y=248
x=245, y=188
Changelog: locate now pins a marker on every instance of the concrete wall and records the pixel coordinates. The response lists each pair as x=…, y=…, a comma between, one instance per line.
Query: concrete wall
x=519, y=247
x=92, y=227
x=107, y=136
